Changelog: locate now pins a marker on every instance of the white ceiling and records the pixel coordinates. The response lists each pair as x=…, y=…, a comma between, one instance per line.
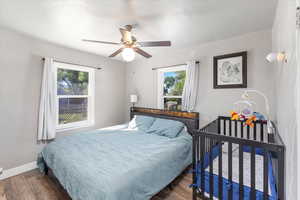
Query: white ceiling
x=184, y=22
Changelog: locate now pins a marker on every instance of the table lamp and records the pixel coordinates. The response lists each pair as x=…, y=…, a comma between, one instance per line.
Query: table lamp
x=133, y=99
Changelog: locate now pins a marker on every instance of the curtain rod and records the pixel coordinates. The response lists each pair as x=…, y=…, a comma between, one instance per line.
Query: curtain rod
x=98, y=68
x=156, y=68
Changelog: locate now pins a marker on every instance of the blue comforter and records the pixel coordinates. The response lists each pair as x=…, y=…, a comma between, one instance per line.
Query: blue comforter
x=122, y=164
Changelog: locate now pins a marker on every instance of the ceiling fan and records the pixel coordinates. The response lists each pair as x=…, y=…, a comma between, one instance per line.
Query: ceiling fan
x=130, y=45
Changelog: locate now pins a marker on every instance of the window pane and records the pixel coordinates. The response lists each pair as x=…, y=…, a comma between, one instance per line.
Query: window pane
x=72, y=110
x=172, y=103
x=72, y=82
x=174, y=82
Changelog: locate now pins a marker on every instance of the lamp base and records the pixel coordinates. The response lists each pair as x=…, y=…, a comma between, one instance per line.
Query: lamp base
x=131, y=108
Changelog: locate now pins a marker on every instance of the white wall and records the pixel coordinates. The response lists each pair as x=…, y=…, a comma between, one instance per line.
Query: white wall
x=211, y=102
x=20, y=82
x=284, y=39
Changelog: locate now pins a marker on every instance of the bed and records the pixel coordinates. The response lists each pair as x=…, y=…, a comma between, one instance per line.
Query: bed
x=118, y=162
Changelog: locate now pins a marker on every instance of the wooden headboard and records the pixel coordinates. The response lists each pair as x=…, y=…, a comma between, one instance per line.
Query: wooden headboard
x=190, y=119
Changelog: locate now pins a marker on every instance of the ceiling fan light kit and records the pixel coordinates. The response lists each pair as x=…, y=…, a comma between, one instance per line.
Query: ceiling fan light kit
x=128, y=54
x=130, y=45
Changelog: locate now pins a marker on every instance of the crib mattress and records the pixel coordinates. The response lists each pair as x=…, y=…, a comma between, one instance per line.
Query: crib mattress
x=235, y=173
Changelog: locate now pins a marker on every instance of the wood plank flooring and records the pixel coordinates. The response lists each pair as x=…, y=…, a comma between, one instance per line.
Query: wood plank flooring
x=34, y=186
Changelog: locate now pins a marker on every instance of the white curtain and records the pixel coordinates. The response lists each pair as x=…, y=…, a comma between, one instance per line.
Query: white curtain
x=47, y=113
x=190, y=90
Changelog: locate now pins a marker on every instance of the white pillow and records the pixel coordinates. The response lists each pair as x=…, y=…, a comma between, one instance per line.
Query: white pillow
x=141, y=122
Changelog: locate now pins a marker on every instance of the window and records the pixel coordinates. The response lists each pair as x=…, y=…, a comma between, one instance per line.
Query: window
x=75, y=96
x=170, y=87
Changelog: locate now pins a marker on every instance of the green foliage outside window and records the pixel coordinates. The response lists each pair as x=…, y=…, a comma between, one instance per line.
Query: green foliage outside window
x=71, y=82
x=174, y=83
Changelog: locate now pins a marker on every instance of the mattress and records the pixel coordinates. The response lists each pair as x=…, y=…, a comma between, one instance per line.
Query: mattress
x=235, y=173
x=116, y=163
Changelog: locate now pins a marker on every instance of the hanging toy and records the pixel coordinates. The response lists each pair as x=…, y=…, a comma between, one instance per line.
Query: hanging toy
x=245, y=108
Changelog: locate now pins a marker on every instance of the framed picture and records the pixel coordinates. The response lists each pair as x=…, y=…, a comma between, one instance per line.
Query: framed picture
x=230, y=71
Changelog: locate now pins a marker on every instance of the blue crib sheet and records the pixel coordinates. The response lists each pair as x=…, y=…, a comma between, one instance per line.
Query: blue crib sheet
x=235, y=185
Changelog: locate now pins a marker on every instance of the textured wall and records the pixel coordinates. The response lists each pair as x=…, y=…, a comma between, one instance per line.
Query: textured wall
x=284, y=39
x=20, y=82
x=211, y=102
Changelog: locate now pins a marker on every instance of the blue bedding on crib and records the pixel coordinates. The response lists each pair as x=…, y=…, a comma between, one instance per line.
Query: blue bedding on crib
x=114, y=164
x=235, y=186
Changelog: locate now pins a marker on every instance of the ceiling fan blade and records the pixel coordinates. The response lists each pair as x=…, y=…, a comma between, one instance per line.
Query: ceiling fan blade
x=155, y=44
x=102, y=42
x=141, y=52
x=116, y=53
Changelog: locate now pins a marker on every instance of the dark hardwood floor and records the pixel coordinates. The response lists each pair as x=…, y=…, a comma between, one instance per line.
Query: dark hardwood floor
x=34, y=186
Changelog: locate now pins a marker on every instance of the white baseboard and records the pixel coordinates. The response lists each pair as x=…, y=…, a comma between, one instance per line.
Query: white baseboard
x=18, y=170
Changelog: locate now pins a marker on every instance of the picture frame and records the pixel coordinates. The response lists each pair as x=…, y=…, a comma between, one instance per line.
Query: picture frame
x=230, y=70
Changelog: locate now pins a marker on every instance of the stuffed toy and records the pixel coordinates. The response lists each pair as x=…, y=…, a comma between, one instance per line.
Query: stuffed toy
x=249, y=121
x=259, y=116
x=234, y=115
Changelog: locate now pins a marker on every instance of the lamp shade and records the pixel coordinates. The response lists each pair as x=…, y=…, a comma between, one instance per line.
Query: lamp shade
x=133, y=98
x=128, y=54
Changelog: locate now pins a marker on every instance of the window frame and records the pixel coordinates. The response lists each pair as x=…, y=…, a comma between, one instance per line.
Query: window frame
x=160, y=88
x=90, y=98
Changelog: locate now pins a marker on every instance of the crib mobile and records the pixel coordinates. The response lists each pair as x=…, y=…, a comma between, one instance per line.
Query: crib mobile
x=245, y=112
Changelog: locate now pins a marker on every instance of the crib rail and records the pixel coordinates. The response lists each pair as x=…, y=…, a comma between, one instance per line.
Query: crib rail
x=211, y=139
